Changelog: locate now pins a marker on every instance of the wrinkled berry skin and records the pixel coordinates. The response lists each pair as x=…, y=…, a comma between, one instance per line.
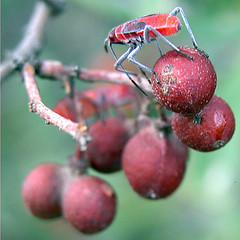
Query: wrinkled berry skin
x=153, y=164
x=216, y=127
x=41, y=190
x=186, y=85
x=89, y=204
x=108, y=140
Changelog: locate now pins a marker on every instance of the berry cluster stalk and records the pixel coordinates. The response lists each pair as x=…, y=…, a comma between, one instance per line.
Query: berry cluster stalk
x=77, y=130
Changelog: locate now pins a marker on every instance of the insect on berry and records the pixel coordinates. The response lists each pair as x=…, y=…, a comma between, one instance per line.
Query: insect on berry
x=184, y=86
x=144, y=30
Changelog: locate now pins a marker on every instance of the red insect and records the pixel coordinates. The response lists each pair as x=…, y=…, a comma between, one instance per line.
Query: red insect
x=144, y=30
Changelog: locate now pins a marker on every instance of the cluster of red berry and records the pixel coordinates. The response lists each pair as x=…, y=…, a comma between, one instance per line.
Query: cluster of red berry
x=150, y=153
x=154, y=163
x=87, y=202
x=201, y=120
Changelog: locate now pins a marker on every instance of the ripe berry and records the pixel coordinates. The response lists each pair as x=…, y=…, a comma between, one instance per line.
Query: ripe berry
x=186, y=86
x=89, y=204
x=95, y=99
x=65, y=108
x=215, y=129
x=41, y=190
x=154, y=164
x=108, y=140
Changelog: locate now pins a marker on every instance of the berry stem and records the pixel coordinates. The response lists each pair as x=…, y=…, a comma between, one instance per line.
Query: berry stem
x=77, y=130
x=197, y=118
x=78, y=161
x=161, y=112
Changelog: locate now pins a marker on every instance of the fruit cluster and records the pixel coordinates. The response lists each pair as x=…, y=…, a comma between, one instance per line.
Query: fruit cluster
x=151, y=147
x=87, y=202
x=201, y=120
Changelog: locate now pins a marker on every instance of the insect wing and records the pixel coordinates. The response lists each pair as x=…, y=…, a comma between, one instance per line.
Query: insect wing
x=133, y=27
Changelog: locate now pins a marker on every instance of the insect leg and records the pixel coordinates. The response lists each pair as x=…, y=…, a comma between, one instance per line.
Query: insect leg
x=174, y=12
x=146, y=38
x=158, y=46
x=145, y=75
x=177, y=10
x=131, y=58
x=119, y=63
x=168, y=42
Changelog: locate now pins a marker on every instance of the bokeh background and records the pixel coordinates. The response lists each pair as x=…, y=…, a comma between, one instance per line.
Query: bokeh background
x=205, y=206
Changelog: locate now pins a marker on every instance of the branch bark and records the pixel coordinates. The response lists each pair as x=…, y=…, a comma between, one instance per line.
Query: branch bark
x=95, y=75
x=56, y=70
x=30, y=45
x=77, y=130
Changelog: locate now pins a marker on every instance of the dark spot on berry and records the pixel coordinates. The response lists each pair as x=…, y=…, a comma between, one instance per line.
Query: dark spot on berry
x=197, y=118
x=219, y=143
x=167, y=79
x=167, y=68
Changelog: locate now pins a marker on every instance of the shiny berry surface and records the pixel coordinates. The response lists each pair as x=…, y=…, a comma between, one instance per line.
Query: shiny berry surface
x=65, y=108
x=215, y=129
x=108, y=140
x=89, y=204
x=186, y=85
x=153, y=164
x=41, y=190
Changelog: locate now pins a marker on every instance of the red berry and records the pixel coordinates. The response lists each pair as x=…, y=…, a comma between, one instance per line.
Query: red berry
x=154, y=164
x=41, y=190
x=95, y=99
x=186, y=86
x=215, y=129
x=109, y=138
x=65, y=108
x=89, y=204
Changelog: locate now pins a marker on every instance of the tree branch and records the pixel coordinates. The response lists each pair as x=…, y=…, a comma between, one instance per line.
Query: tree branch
x=95, y=75
x=77, y=130
x=56, y=70
x=30, y=45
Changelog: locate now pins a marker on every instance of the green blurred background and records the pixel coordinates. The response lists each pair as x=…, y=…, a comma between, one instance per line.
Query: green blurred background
x=206, y=205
